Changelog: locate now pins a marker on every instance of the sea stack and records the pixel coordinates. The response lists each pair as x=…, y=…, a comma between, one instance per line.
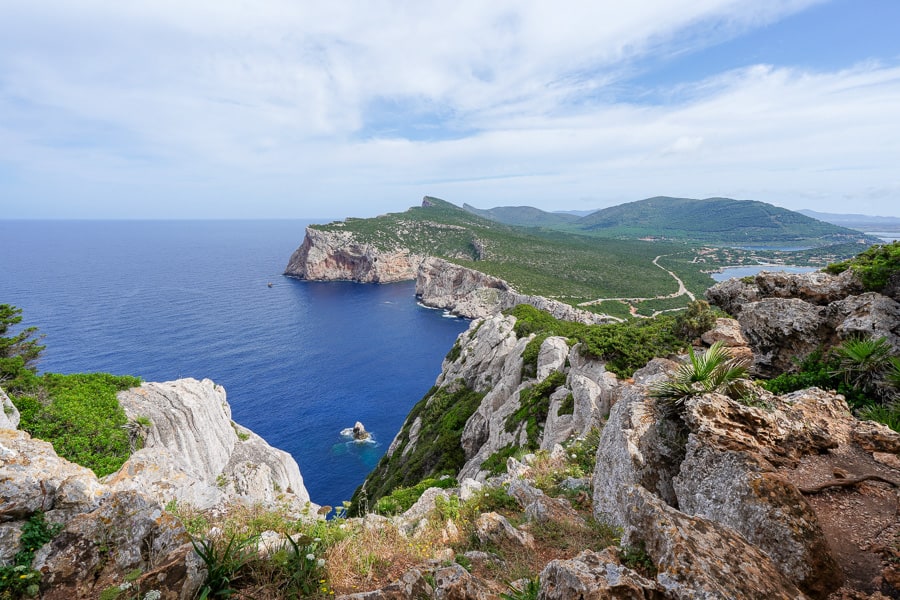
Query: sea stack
x=359, y=432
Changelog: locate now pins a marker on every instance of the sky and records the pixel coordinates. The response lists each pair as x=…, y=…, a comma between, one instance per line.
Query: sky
x=305, y=109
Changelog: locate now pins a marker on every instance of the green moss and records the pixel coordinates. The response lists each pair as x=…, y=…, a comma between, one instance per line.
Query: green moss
x=454, y=353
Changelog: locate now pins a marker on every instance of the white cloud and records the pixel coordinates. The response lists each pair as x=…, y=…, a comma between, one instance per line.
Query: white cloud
x=281, y=96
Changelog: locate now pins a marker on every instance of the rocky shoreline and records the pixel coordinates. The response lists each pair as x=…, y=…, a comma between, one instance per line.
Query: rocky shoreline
x=467, y=293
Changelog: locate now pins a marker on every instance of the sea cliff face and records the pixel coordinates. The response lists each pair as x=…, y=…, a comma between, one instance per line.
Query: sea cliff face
x=194, y=457
x=337, y=256
x=465, y=292
x=728, y=499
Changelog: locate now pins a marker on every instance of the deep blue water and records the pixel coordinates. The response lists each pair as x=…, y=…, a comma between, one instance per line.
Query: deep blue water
x=300, y=361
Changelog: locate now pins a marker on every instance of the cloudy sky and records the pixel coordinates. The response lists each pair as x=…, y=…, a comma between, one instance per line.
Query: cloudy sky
x=301, y=108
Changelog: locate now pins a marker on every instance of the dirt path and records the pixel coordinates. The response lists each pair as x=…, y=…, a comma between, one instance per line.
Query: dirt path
x=682, y=291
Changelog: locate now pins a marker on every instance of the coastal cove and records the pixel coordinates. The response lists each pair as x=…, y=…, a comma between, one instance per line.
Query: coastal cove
x=300, y=360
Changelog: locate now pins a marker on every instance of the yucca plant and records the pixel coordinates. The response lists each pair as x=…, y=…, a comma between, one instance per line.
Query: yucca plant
x=713, y=371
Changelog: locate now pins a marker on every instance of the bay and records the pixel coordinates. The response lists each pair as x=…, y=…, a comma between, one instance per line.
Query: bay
x=300, y=361
x=746, y=271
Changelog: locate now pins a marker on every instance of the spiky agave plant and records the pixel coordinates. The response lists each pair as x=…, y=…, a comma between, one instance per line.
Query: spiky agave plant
x=715, y=370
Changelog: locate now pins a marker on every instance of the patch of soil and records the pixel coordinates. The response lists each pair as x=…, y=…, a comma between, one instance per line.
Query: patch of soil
x=861, y=522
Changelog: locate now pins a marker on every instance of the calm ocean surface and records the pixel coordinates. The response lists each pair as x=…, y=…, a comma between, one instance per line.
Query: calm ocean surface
x=167, y=299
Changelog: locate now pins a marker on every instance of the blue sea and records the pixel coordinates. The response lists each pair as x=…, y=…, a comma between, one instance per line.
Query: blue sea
x=300, y=361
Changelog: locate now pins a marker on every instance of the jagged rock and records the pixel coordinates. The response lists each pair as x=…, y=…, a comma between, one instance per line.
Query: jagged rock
x=359, y=432
x=496, y=529
x=195, y=453
x=742, y=491
x=817, y=288
x=867, y=315
x=780, y=330
x=10, y=534
x=473, y=294
x=408, y=520
x=469, y=488
x=9, y=414
x=336, y=255
x=32, y=475
x=538, y=506
x=785, y=316
x=632, y=452
x=552, y=356
x=698, y=558
x=412, y=585
x=95, y=550
x=455, y=583
x=595, y=576
x=728, y=331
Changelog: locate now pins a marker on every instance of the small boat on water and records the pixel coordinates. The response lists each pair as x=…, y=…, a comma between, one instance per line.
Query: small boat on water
x=270, y=284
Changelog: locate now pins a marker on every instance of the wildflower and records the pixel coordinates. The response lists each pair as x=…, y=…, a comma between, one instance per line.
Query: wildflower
x=152, y=595
x=310, y=556
x=23, y=576
x=321, y=562
x=317, y=539
x=125, y=585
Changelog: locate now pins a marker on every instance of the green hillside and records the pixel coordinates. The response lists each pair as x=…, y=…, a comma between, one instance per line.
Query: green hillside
x=523, y=216
x=714, y=221
x=570, y=267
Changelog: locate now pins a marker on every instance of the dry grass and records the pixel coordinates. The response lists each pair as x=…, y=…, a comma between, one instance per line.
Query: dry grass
x=371, y=557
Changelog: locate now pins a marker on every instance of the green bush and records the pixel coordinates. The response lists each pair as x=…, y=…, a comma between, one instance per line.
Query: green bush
x=534, y=404
x=401, y=499
x=80, y=415
x=873, y=267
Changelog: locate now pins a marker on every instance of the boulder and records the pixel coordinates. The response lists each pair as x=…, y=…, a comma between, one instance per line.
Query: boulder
x=781, y=330
x=493, y=528
x=411, y=586
x=595, y=576
x=96, y=550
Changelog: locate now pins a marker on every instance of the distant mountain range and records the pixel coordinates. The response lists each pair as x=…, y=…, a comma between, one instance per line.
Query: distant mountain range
x=855, y=221
x=710, y=220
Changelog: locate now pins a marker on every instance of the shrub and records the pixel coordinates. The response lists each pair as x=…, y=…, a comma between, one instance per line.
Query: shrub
x=874, y=267
x=80, y=415
x=19, y=579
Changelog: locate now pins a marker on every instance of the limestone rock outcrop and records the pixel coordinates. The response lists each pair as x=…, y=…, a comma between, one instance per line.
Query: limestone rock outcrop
x=472, y=294
x=338, y=256
x=9, y=414
x=195, y=453
x=785, y=316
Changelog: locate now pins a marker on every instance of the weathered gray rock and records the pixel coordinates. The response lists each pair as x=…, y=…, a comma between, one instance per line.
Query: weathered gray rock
x=336, y=255
x=473, y=294
x=9, y=414
x=817, y=288
x=780, y=330
x=595, y=576
x=866, y=315
x=412, y=585
x=95, y=550
x=195, y=453
x=493, y=528
x=455, y=583
x=552, y=356
x=698, y=558
x=33, y=478
x=538, y=506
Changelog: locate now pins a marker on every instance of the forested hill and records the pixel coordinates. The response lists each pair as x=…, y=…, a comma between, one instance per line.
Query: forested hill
x=710, y=221
x=714, y=220
x=523, y=216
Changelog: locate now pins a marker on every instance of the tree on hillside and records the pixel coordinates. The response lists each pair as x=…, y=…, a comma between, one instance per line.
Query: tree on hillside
x=19, y=352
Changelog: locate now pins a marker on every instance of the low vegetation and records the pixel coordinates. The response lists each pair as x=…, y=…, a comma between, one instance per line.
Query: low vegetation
x=441, y=415
x=874, y=267
x=18, y=579
x=80, y=415
x=863, y=369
